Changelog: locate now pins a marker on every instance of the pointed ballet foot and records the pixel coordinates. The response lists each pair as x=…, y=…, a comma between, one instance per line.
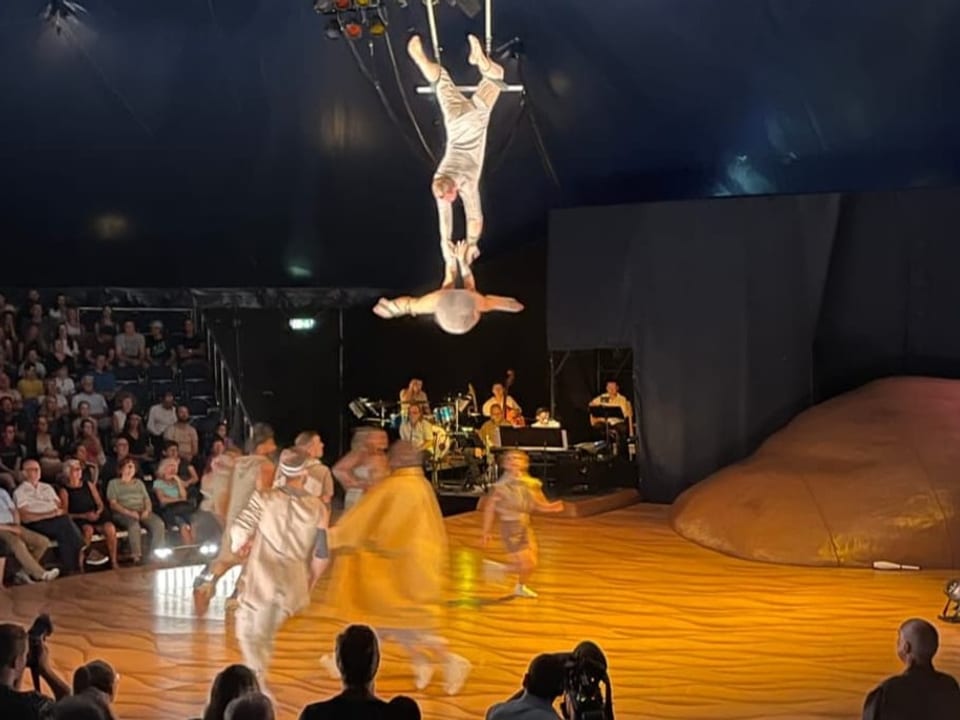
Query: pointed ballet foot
x=487, y=67
x=415, y=49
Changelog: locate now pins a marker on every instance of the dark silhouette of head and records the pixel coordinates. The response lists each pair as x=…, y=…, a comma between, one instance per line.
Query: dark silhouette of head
x=358, y=655
x=545, y=676
x=230, y=683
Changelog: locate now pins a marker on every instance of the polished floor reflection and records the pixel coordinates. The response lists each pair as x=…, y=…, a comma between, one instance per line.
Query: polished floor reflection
x=689, y=633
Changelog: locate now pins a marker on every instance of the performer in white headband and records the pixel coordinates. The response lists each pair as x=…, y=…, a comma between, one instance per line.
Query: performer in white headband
x=466, y=121
x=278, y=528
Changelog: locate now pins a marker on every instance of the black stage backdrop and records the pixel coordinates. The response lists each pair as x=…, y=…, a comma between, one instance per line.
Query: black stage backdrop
x=743, y=311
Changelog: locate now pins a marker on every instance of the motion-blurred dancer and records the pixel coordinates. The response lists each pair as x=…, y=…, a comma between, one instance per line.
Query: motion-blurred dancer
x=364, y=465
x=514, y=497
x=390, y=567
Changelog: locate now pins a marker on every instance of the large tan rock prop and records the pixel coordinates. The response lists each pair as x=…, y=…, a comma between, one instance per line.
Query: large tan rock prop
x=873, y=475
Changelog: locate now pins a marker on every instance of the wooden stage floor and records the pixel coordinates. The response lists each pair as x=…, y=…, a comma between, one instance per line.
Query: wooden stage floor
x=688, y=633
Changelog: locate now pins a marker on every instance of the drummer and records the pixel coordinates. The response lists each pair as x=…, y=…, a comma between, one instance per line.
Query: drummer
x=418, y=430
x=413, y=394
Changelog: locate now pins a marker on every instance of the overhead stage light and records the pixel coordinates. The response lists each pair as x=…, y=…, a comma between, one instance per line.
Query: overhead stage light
x=376, y=26
x=302, y=324
x=341, y=5
x=353, y=30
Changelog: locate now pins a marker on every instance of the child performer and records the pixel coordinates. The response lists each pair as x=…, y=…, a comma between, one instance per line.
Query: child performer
x=514, y=497
x=278, y=529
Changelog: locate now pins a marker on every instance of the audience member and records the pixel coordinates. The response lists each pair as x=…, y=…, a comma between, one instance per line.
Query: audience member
x=121, y=451
x=14, y=703
x=90, y=440
x=403, y=708
x=161, y=416
x=252, y=706
x=130, y=346
x=97, y=680
x=59, y=310
x=172, y=504
x=124, y=402
x=102, y=343
x=81, y=707
x=85, y=507
x=542, y=685
x=191, y=347
x=41, y=511
x=50, y=391
x=75, y=328
x=65, y=384
x=132, y=509
x=159, y=351
x=99, y=410
x=12, y=453
x=105, y=324
x=140, y=448
x=32, y=340
x=232, y=682
x=27, y=546
x=185, y=470
x=7, y=391
x=104, y=381
x=33, y=358
x=30, y=386
x=358, y=658
x=920, y=692
x=184, y=435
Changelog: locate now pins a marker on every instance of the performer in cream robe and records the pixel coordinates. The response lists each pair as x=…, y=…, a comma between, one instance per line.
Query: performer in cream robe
x=250, y=473
x=390, y=568
x=276, y=531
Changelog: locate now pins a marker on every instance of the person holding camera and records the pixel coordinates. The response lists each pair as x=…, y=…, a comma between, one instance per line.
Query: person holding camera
x=542, y=685
x=15, y=646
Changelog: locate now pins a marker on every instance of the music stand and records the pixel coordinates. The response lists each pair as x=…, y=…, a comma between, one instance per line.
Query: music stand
x=607, y=413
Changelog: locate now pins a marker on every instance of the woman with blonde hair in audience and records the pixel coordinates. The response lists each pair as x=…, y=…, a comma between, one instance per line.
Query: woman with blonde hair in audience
x=171, y=496
x=75, y=328
x=230, y=683
x=85, y=507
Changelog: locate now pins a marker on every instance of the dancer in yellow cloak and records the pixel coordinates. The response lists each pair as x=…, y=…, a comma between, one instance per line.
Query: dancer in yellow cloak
x=390, y=567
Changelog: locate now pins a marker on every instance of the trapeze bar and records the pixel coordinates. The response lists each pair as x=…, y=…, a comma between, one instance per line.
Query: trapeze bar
x=429, y=90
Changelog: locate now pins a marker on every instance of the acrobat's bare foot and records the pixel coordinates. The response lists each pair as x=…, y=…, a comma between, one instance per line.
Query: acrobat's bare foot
x=429, y=69
x=487, y=67
x=449, y=277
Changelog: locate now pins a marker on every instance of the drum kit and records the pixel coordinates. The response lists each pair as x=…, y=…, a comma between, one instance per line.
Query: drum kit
x=454, y=422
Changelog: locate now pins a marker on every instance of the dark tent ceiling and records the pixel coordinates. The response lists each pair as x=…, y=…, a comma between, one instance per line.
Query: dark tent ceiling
x=209, y=141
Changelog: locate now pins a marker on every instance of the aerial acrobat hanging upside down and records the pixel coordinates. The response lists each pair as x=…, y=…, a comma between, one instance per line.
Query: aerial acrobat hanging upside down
x=457, y=310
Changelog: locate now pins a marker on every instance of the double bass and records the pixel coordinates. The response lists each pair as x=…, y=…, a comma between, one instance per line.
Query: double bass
x=511, y=414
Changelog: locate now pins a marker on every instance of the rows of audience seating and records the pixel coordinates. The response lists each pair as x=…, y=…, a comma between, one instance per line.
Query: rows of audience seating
x=94, y=388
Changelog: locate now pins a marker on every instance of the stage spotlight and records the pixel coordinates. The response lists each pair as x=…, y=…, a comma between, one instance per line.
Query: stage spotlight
x=376, y=26
x=209, y=549
x=322, y=6
x=60, y=13
x=363, y=3
x=951, y=611
x=341, y=5
x=358, y=409
x=353, y=30
x=302, y=324
x=163, y=553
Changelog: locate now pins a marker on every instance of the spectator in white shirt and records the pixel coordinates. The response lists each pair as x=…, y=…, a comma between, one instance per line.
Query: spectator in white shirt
x=41, y=511
x=65, y=385
x=162, y=415
x=26, y=546
x=50, y=390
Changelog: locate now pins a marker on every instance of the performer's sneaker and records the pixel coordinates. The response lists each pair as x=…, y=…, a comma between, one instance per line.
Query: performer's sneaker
x=455, y=674
x=494, y=571
x=522, y=591
x=422, y=675
x=329, y=663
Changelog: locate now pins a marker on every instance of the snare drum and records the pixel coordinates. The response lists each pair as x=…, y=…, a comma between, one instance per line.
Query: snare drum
x=441, y=443
x=444, y=415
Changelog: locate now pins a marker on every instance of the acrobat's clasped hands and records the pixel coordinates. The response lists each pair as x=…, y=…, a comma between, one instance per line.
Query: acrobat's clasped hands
x=457, y=309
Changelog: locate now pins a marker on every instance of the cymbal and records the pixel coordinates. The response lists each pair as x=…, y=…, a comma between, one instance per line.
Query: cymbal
x=451, y=398
x=379, y=404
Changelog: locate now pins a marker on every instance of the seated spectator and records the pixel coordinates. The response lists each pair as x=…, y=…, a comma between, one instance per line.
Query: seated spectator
x=921, y=691
x=99, y=410
x=59, y=310
x=45, y=447
x=41, y=511
x=27, y=546
x=50, y=391
x=14, y=703
x=140, y=448
x=253, y=706
x=184, y=435
x=60, y=357
x=162, y=416
x=32, y=340
x=83, y=413
x=172, y=504
x=357, y=657
x=130, y=346
x=105, y=324
x=85, y=507
x=121, y=451
x=133, y=510
x=75, y=328
x=124, y=404
x=10, y=328
x=60, y=425
x=7, y=391
x=32, y=358
x=542, y=685
x=6, y=346
x=102, y=343
x=30, y=385
x=185, y=471
x=221, y=432
x=191, y=346
x=91, y=471
x=65, y=384
x=230, y=683
x=91, y=442
x=159, y=350
x=66, y=349
x=12, y=454
x=403, y=708
x=81, y=707
x=98, y=681
x=104, y=381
